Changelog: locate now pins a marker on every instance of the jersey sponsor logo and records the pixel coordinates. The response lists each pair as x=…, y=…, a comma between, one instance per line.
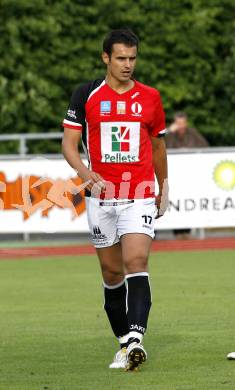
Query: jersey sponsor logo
x=72, y=114
x=136, y=109
x=121, y=107
x=120, y=139
x=105, y=107
x=120, y=142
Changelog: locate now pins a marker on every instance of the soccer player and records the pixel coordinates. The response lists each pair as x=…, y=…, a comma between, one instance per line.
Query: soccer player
x=122, y=123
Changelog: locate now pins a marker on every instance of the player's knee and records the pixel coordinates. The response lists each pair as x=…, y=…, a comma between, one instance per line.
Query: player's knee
x=112, y=276
x=137, y=263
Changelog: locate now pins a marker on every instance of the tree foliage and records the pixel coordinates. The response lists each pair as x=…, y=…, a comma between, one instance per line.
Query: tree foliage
x=187, y=51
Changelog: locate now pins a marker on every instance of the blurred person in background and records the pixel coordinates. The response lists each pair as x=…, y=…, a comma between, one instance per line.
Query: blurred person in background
x=180, y=135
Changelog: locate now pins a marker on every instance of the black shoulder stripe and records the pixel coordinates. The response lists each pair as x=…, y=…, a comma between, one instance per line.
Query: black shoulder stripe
x=88, y=88
x=85, y=91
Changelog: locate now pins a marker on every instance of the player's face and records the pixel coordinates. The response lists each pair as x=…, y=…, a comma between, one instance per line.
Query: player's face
x=121, y=65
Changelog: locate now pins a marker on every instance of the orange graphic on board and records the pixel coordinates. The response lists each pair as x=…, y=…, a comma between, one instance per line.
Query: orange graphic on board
x=31, y=193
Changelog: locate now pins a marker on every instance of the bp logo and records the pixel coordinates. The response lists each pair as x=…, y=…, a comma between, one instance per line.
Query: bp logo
x=120, y=139
x=224, y=175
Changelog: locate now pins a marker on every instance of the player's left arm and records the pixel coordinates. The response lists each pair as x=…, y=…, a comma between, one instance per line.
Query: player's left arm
x=157, y=132
x=161, y=172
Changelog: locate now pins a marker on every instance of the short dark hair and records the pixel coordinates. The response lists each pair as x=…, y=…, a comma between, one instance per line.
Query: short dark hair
x=181, y=115
x=125, y=36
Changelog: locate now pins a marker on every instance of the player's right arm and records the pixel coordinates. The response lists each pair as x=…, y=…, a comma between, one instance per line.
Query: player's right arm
x=70, y=151
x=74, y=124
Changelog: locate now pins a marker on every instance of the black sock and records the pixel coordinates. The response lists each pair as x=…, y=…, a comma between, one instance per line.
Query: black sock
x=115, y=307
x=138, y=303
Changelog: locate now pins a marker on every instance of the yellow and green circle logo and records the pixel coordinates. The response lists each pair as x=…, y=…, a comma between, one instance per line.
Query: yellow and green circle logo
x=224, y=175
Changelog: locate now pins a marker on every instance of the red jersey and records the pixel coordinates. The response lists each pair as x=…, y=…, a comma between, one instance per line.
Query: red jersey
x=116, y=135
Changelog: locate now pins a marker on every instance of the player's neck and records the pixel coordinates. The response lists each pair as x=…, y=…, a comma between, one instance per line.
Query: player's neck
x=119, y=86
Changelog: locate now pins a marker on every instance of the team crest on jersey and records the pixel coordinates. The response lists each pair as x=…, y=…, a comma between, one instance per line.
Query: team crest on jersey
x=120, y=142
x=136, y=109
x=121, y=107
x=105, y=107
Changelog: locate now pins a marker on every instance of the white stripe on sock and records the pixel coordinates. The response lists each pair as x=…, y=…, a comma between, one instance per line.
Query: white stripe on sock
x=114, y=286
x=137, y=274
x=126, y=296
x=151, y=299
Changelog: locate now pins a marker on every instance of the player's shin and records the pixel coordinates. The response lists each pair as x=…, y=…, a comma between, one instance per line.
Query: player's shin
x=138, y=304
x=115, y=307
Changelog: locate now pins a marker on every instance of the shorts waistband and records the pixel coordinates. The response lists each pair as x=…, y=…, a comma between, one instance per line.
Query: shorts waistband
x=117, y=203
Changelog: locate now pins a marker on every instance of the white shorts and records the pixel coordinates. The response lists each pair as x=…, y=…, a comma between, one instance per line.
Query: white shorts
x=109, y=219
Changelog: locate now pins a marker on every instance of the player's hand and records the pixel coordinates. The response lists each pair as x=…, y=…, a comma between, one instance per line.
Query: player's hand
x=162, y=201
x=161, y=206
x=95, y=182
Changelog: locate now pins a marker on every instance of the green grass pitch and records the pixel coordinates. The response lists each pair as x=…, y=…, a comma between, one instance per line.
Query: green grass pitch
x=54, y=333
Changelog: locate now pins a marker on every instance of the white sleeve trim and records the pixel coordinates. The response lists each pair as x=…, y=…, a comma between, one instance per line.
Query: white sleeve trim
x=164, y=131
x=66, y=122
